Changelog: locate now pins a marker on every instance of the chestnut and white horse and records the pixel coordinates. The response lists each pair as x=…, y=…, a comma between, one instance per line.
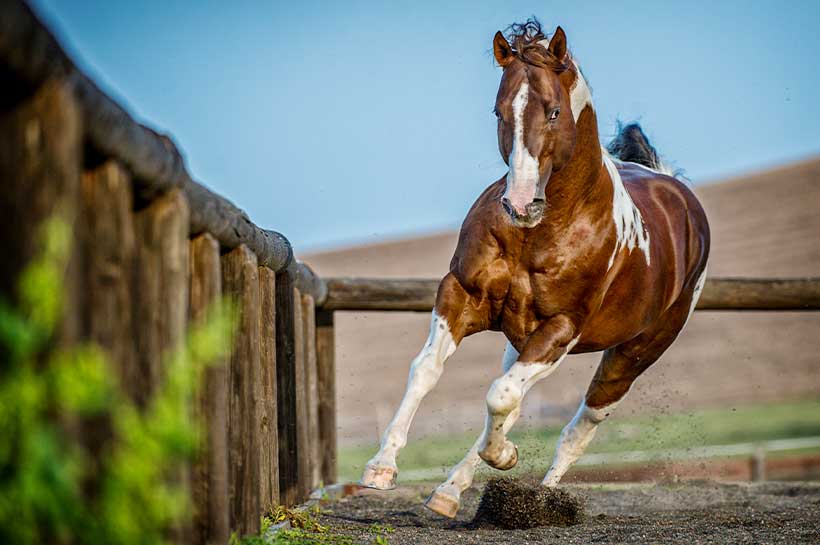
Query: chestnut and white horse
x=576, y=249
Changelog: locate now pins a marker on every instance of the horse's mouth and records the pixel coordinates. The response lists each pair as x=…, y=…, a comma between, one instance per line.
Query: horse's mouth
x=534, y=214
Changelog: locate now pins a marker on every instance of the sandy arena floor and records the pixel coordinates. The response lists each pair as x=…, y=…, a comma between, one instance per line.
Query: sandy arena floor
x=690, y=513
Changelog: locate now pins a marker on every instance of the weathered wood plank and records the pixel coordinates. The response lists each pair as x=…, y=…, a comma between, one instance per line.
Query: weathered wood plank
x=40, y=164
x=760, y=294
x=302, y=417
x=326, y=388
x=240, y=280
x=718, y=294
x=160, y=294
x=311, y=390
x=286, y=391
x=209, y=482
x=109, y=257
x=380, y=294
x=267, y=418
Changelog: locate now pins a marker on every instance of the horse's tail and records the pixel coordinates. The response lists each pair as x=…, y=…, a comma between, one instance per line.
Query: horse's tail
x=631, y=144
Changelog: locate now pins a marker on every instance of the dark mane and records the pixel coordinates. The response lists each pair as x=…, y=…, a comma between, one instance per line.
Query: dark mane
x=524, y=38
x=632, y=145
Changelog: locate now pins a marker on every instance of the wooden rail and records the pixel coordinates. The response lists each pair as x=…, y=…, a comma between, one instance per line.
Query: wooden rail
x=718, y=294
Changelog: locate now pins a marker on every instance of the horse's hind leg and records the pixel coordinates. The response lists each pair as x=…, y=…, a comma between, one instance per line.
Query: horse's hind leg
x=619, y=368
x=446, y=331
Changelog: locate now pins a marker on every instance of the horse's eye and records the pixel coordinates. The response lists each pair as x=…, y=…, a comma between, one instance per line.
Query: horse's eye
x=554, y=114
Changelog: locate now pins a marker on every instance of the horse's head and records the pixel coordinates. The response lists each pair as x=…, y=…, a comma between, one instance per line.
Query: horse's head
x=536, y=125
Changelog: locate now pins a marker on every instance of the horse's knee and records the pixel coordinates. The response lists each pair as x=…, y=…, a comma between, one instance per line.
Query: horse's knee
x=504, y=396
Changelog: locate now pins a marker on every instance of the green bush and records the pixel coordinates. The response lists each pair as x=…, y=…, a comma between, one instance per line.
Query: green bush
x=53, y=488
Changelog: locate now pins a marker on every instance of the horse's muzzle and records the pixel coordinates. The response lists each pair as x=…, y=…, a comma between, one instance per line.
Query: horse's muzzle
x=534, y=212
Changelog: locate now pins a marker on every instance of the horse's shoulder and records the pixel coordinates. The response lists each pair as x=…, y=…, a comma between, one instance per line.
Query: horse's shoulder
x=486, y=209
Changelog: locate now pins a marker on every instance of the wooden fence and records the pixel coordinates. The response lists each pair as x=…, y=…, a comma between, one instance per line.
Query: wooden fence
x=153, y=248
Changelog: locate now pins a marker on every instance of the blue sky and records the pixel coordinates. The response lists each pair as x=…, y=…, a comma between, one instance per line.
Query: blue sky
x=339, y=123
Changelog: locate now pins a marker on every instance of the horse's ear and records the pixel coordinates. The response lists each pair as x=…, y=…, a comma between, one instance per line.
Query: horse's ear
x=502, y=50
x=558, y=44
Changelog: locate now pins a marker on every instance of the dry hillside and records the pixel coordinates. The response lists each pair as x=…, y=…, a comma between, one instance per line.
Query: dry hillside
x=764, y=224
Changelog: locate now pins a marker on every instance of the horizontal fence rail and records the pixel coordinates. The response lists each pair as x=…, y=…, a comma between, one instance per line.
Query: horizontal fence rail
x=718, y=294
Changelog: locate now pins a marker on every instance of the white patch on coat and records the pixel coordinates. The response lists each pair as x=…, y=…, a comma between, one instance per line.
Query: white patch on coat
x=579, y=94
x=425, y=371
x=574, y=440
x=629, y=226
x=660, y=167
x=508, y=390
x=696, y=294
x=522, y=180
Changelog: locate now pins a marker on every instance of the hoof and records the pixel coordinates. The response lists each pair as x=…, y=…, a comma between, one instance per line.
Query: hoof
x=506, y=460
x=443, y=503
x=379, y=477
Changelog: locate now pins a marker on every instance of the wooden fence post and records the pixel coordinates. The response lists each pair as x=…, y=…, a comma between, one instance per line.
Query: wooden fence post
x=109, y=255
x=240, y=280
x=209, y=486
x=268, y=418
x=302, y=418
x=161, y=285
x=311, y=390
x=326, y=387
x=286, y=391
x=40, y=162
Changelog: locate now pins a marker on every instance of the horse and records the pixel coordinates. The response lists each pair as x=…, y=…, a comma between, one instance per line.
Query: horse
x=578, y=248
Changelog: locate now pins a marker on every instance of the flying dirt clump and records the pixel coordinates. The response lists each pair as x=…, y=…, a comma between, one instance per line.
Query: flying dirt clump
x=511, y=504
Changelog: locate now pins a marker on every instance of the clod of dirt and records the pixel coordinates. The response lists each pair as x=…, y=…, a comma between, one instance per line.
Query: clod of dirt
x=511, y=504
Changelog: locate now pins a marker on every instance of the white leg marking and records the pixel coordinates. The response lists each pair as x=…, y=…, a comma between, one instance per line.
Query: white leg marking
x=505, y=396
x=523, y=178
x=574, y=440
x=461, y=476
x=629, y=228
x=424, y=374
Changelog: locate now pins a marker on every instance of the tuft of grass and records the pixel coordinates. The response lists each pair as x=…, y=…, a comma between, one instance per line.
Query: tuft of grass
x=307, y=530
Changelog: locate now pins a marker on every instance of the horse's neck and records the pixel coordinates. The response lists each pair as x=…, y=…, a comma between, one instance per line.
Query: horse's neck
x=583, y=179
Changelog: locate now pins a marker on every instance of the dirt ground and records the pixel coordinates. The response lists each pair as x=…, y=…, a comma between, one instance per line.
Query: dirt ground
x=692, y=513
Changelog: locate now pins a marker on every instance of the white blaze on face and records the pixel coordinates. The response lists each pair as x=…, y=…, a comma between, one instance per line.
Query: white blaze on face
x=629, y=228
x=523, y=178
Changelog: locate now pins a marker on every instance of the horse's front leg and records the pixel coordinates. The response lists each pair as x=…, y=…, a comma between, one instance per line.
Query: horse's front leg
x=542, y=353
x=451, y=321
x=446, y=498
